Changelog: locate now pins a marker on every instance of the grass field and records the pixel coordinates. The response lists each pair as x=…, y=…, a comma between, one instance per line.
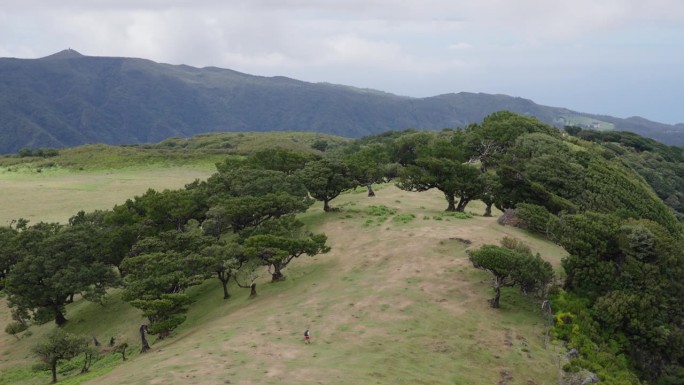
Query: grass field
x=54, y=195
x=396, y=301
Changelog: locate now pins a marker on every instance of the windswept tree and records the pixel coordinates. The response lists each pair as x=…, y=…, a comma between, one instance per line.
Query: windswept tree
x=511, y=267
x=224, y=259
x=487, y=142
x=245, y=197
x=279, y=243
x=58, y=262
x=170, y=209
x=278, y=159
x=368, y=165
x=326, y=179
x=440, y=164
x=160, y=271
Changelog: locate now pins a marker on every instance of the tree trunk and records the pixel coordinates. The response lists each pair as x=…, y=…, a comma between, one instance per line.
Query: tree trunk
x=145, y=345
x=252, y=290
x=497, y=292
x=326, y=206
x=495, y=301
x=277, y=276
x=53, y=365
x=371, y=193
x=86, y=363
x=462, y=203
x=226, y=295
x=451, y=201
x=59, y=317
x=488, y=210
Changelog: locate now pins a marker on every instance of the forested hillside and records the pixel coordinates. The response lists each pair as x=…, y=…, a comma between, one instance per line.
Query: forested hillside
x=612, y=303
x=68, y=99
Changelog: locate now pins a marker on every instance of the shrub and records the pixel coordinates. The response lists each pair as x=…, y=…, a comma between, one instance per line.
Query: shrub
x=533, y=217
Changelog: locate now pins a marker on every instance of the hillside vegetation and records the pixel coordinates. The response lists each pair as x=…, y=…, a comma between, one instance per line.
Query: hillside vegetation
x=392, y=303
x=586, y=273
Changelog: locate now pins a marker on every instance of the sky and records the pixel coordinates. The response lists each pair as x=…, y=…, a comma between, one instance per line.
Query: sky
x=614, y=57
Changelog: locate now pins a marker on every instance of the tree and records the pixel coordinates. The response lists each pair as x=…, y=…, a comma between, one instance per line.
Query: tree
x=59, y=346
x=490, y=191
x=487, y=142
x=281, y=242
x=511, y=267
x=325, y=179
x=242, y=197
x=20, y=322
x=238, y=213
x=591, y=241
x=224, y=259
x=8, y=252
x=171, y=209
x=57, y=262
x=278, y=159
x=159, y=272
x=440, y=164
x=368, y=166
x=406, y=147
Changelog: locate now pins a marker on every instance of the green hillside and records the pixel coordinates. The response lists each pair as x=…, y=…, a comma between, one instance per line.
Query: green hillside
x=392, y=303
x=394, y=289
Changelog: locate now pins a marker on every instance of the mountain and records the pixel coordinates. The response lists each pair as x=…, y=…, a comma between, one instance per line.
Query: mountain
x=67, y=99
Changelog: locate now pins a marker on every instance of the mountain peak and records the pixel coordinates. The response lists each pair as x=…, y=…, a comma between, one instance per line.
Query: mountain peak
x=64, y=54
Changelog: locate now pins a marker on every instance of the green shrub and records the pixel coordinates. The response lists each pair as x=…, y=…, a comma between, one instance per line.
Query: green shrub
x=533, y=217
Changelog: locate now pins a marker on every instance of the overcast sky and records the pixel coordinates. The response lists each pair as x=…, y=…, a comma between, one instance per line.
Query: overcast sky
x=615, y=57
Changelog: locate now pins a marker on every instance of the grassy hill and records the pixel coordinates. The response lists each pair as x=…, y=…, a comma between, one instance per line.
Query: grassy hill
x=396, y=301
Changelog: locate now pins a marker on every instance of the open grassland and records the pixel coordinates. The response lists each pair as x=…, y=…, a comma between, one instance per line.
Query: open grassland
x=99, y=176
x=396, y=301
x=57, y=194
x=200, y=150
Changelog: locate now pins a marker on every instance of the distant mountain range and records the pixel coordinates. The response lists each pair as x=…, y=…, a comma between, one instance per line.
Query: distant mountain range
x=68, y=99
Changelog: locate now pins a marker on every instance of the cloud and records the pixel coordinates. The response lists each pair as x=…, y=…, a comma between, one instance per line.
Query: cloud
x=522, y=47
x=459, y=46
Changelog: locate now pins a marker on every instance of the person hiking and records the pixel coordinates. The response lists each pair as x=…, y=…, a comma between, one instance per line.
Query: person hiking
x=307, y=336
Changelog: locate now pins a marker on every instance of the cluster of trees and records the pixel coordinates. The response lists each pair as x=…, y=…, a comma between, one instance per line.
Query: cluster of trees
x=661, y=166
x=41, y=152
x=161, y=243
x=624, y=271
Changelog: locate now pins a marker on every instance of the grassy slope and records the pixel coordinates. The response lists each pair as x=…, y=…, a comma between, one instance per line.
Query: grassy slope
x=392, y=303
x=99, y=176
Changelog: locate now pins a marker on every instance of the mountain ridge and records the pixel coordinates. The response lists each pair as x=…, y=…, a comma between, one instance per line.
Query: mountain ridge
x=68, y=99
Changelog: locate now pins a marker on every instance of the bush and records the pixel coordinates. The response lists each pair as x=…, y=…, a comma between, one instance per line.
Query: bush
x=533, y=217
x=14, y=328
